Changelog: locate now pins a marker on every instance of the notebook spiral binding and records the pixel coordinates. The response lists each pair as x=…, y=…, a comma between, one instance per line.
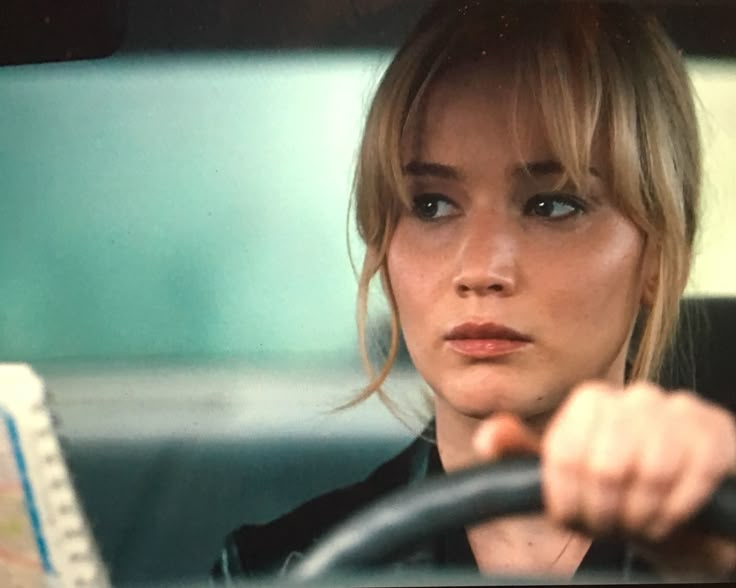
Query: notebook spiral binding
x=64, y=539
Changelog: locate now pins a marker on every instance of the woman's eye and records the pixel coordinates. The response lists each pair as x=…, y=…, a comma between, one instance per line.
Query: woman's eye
x=433, y=207
x=553, y=206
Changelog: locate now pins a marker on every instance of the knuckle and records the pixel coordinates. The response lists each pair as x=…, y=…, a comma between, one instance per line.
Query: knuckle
x=724, y=427
x=675, y=514
x=589, y=392
x=606, y=472
x=710, y=473
x=657, y=479
x=563, y=463
x=637, y=514
x=561, y=447
x=683, y=402
x=644, y=391
x=682, y=396
x=707, y=458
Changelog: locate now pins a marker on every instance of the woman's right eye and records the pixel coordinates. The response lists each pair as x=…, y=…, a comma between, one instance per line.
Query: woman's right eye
x=430, y=207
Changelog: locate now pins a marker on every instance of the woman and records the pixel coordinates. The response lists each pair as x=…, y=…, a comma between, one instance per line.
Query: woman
x=527, y=190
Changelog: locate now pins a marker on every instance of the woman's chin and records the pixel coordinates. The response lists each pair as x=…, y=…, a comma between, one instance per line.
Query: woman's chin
x=485, y=402
x=478, y=399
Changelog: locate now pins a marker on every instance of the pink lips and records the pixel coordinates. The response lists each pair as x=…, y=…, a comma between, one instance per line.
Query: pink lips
x=485, y=340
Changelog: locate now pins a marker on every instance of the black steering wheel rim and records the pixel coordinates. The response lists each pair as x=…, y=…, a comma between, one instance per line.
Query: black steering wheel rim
x=441, y=503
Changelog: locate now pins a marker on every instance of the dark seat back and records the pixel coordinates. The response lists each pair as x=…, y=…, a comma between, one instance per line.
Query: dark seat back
x=703, y=357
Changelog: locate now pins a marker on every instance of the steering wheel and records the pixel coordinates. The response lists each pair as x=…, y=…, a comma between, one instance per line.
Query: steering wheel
x=431, y=507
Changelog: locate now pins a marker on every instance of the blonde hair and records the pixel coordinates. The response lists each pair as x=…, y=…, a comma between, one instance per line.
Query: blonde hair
x=595, y=70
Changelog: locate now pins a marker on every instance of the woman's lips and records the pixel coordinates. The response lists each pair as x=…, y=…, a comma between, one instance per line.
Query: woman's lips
x=485, y=340
x=485, y=348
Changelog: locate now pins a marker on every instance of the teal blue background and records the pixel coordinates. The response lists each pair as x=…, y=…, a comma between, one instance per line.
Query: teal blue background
x=179, y=207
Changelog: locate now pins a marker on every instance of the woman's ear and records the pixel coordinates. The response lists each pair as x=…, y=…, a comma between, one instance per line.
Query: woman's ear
x=388, y=289
x=650, y=273
x=650, y=291
x=385, y=278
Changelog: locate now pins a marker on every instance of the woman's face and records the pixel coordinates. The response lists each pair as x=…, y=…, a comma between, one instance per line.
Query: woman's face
x=509, y=290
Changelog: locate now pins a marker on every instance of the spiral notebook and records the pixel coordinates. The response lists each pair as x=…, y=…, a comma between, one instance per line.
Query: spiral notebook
x=45, y=540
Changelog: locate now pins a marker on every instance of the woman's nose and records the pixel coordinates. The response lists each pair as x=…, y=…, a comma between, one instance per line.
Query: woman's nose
x=487, y=262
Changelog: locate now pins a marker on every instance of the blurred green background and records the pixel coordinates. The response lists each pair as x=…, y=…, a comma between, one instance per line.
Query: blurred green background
x=196, y=206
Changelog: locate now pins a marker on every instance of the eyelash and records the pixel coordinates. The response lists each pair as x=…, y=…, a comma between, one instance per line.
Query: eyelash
x=573, y=202
x=427, y=199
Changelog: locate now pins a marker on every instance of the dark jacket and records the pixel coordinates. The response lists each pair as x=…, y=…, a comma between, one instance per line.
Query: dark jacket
x=255, y=550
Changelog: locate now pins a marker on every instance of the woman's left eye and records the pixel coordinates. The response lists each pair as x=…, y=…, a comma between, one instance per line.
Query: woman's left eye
x=554, y=206
x=433, y=207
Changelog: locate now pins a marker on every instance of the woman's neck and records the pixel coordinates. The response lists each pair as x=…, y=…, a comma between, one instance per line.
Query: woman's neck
x=455, y=433
x=525, y=545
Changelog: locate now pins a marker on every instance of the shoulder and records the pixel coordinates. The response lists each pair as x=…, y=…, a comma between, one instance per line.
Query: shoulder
x=253, y=550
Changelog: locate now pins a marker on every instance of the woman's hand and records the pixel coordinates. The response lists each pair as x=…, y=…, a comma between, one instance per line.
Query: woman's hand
x=636, y=460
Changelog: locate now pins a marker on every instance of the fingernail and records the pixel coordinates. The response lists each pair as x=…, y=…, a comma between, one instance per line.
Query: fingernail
x=483, y=440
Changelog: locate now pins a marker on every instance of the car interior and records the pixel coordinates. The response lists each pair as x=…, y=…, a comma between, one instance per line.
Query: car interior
x=175, y=254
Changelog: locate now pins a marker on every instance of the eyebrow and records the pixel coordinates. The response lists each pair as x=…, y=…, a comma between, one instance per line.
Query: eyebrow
x=535, y=169
x=422, y=169
x=547, y=167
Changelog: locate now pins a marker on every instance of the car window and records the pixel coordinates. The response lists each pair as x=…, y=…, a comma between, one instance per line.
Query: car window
x=180, y=206
x=715, y=84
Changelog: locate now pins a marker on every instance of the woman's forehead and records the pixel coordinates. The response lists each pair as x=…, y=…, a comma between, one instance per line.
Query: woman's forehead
x=478, y=105
x=482, y=106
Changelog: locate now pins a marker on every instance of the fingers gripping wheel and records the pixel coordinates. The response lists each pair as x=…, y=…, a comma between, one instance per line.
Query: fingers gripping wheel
x=455, y=500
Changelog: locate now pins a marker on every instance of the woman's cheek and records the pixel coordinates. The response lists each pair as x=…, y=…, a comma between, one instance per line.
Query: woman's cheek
x=417, y=261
